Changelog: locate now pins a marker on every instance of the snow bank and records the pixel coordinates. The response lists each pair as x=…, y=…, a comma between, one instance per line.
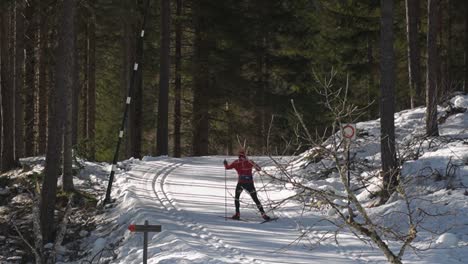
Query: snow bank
x=447, y=240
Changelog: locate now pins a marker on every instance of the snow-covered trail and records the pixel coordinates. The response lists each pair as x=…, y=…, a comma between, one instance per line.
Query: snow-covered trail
x=187, y=197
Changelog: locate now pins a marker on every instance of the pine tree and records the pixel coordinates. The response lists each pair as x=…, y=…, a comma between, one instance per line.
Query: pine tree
x=30, y=73
x=387, y=100
x=91, y=93
x=414, y=69
x=128, y=59
x=432, y=70
x=136, y=107
x=7, y=93
x=69, y=91
x=19, y=79
x=42, y=82
x=178, y=80
x=76, y=85
x=465, y=86
x=57, y=115
x=201, y=84
x=164, y=77
x=83, y=109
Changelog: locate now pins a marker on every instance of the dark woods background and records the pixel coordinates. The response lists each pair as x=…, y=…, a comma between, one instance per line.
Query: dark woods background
x=234, y=66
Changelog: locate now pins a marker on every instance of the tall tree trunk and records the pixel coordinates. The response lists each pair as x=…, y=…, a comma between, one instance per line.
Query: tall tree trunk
x=84, y=92
x=441, y=59
x=135, y=116
x=7, y=93
x=138, y=112
x=432, y=72
x=30, y=89
x=387, y=100
x=42, y=84
x=201, y=122
x=414, y=67
x=19, y=79
x=262, y=112
x=162, y=136
x=128, y=60
x=76, y=87
x=91, y=128
x=465, y=86
x=1, y=120
x=370, y=78
x=57, y=115
x=448, y=68
x=178, y=81
x=134, y=122
x=67, y=178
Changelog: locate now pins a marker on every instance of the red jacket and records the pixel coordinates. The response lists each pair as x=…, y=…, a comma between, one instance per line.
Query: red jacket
x=243, y=167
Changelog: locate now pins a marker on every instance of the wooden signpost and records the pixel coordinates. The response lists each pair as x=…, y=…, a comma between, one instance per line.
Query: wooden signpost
x=145, y=229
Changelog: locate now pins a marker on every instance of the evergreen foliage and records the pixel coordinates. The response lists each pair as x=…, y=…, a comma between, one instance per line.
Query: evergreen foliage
x=259, y=55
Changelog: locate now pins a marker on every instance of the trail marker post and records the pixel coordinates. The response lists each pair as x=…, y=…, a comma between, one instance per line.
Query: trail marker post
x=136, y=69
x=145, y=229
x=349, y=133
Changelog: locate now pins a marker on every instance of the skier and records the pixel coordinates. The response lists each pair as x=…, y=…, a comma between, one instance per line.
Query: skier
x=244, y=167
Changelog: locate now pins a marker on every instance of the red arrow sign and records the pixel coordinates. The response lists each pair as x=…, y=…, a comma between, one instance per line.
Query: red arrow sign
x=144, y=228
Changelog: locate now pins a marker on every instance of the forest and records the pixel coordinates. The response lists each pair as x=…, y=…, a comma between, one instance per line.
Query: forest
x=210, y=74
x=106, y=80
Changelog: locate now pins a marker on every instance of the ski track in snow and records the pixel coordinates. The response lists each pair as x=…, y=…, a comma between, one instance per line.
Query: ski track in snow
x=198, y=230
x=156, y=178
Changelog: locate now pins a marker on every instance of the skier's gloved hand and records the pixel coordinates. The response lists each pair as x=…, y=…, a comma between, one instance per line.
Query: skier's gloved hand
x=225, y=162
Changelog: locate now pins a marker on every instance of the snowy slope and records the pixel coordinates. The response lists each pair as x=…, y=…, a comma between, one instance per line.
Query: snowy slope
x=187, y=197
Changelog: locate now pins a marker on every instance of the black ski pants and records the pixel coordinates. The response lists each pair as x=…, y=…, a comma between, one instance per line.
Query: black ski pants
x=249, y=187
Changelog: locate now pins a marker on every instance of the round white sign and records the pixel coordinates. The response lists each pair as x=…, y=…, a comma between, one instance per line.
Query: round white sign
x=349, y=131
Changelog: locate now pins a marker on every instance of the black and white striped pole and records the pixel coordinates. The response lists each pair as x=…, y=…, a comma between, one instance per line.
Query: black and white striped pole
x=139, y=51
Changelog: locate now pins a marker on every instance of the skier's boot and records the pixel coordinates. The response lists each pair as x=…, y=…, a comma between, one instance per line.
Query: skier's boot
x=236, y=216
x=265, y=217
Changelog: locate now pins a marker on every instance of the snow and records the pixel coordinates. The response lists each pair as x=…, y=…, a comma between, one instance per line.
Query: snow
x=447, y=240
x=98, y=245
x=83, y=233
x=460, y=102
x=21, y=199
x=187, y=197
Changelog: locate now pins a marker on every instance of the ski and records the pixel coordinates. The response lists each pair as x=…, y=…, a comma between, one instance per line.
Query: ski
x=248, y=220
x=271, y=219
x=230, y=218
